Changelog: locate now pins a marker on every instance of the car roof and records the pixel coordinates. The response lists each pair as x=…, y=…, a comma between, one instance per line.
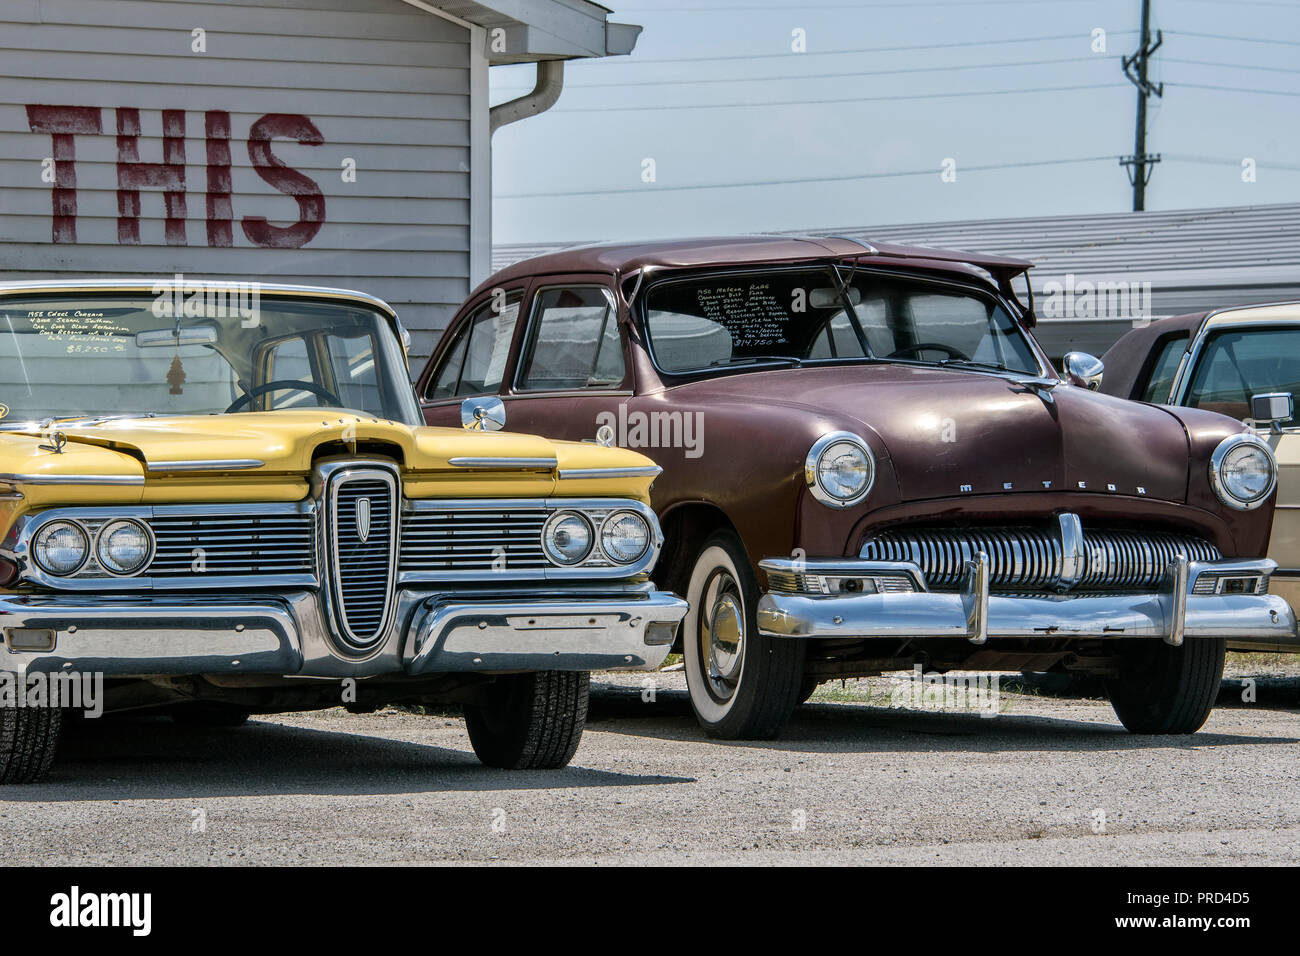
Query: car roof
x=624, y=258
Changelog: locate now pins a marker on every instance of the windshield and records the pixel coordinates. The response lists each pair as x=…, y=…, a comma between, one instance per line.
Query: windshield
x=799, y=316
x=113, y=354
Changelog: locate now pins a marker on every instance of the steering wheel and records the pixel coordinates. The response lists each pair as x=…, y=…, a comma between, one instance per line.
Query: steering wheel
x=317, y=390
x=927, y=347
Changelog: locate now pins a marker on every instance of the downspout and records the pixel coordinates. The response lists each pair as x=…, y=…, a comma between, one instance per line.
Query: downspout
x=550, y=83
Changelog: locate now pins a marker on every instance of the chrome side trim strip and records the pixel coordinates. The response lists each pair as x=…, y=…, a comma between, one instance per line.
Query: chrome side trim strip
x=215, y=464
x=652, y=471
x=73, y=479
x=521, y=463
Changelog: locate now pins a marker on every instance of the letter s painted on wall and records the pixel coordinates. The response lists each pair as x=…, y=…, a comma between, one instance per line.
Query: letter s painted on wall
x=311, y=201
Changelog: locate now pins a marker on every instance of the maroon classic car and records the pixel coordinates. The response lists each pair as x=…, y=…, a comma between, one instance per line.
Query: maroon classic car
x=869, y=464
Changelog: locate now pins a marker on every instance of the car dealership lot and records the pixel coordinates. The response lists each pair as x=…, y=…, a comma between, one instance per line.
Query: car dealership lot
x=851, y=782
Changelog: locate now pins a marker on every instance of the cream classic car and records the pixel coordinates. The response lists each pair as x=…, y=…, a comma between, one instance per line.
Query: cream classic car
x=1243, y=362
x=220, y=500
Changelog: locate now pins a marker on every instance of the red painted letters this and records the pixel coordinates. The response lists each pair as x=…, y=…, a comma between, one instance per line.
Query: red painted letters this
x=311, y=202
x=132, y=174
x=63, y=123
x=221, y=216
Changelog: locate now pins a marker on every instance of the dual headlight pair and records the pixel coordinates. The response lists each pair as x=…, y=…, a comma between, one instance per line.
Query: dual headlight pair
x=122, y=546
x=569, y=537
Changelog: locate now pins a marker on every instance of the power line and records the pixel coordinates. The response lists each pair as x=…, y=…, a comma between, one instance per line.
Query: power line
x=625, y=108
x=1220, y=36
x=1235, y=89
x=1232, y=66
x=1225, y=161
x=823, y=76
x=650, y=190
x=878, y=4
x=868, y=49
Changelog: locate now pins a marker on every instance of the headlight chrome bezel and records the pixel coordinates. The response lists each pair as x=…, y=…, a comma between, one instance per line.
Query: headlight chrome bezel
x=1220, y=485
x=100, y=541
x=812, y=469
x=48, y=528
x=617, y=515
x=556, y=518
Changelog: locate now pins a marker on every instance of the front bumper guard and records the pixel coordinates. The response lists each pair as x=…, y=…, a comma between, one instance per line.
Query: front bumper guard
x=283, y=634
x=1172, y=614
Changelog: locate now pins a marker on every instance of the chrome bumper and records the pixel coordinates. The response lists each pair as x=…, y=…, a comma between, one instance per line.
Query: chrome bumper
x=630, y=626
x=974, y=614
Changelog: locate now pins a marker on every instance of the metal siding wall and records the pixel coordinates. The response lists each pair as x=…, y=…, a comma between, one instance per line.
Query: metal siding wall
x=385, y=84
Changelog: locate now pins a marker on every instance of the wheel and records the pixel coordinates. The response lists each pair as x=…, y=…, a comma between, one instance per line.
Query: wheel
x=29, y=736
x=1167, y=690
x=209, y=714
x=808, y=688
x=530, y=721
x=743, y=686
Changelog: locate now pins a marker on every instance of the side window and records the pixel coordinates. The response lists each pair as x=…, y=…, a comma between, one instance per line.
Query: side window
x=1164, y=368
x=476, y=362
x=1239, y=363
x=575, y=342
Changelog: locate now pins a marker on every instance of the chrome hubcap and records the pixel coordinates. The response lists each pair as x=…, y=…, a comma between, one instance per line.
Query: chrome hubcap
x=722, y=634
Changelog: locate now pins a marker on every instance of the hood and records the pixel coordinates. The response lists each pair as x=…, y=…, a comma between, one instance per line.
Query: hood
x=950, y=432
x=270, y=456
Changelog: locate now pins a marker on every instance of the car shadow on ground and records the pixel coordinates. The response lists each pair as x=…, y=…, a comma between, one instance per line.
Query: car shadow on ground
x=860, y=727
x=154, y=758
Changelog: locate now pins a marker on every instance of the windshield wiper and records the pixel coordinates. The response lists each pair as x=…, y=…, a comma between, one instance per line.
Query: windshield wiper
x=971, y=363
x=751, y=359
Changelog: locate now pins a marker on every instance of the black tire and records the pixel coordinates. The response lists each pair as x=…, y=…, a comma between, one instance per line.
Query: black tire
x=1167, y=690
x=753, y=694
x=29, y=736
x=808, y=688
x=530, y=721
x=208, y=714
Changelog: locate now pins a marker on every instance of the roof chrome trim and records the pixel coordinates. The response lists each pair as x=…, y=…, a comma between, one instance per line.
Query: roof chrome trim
x=214, y=464
x=147, y=286
x=521, y=463
x=642, y=471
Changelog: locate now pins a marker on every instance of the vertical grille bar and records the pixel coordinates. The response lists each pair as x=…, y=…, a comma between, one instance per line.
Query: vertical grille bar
x=363, y=552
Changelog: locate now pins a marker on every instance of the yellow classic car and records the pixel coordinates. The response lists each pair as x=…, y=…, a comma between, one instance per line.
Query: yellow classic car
x=1243, y=362
x=218, y=500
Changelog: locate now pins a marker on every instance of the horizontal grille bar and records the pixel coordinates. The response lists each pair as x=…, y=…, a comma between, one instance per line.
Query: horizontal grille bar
x=227, y=544
x=451, y=540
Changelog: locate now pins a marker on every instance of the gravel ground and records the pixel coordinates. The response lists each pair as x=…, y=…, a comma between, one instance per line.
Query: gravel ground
x=854, y=781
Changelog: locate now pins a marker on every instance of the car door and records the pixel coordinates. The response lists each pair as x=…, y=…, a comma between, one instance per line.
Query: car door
x=1234, y=363
x=572, y=372
x=473, y=358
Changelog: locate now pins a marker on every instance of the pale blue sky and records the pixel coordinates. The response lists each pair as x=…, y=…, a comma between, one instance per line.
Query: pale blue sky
x=617, y=112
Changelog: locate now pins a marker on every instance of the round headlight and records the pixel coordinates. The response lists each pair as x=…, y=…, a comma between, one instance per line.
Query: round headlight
x=61, y=547
x=625, y=536
x=1243, y=471
x=567, y=537
x=123, y=546
x=839, y=469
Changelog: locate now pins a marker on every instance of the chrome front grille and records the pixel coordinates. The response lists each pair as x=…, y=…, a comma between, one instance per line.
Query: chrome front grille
x=232, y=544
x=472, y=540
x=363, y=542
x=1038, y=559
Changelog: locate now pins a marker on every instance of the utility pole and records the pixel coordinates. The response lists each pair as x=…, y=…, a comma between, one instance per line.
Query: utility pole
x=1141, y=164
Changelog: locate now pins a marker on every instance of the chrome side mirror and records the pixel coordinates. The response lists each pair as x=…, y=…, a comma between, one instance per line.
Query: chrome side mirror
x=1272, y=408
x=1083, y=370
x=483, y=414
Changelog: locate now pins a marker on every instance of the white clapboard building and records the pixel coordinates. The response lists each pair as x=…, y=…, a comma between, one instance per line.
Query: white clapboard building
x=336, y=142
